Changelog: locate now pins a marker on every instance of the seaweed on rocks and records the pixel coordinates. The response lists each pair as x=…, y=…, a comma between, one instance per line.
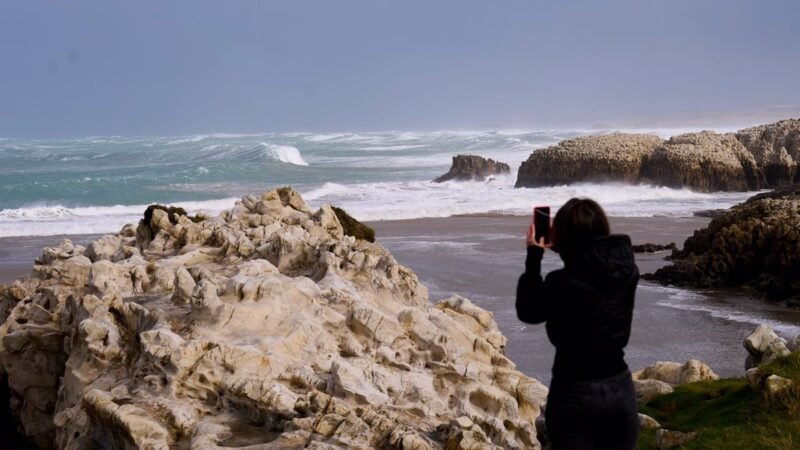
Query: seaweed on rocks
x=353, y=227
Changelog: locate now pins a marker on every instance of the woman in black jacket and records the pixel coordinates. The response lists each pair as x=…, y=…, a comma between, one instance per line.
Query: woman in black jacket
x=588, y=307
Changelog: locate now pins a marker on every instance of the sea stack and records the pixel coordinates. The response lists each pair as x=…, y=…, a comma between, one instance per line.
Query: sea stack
x=265, y=325
x=473, y=168
x=610, y=157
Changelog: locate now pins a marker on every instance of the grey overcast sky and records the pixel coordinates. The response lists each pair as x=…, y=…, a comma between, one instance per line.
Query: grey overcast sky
x=80, y=67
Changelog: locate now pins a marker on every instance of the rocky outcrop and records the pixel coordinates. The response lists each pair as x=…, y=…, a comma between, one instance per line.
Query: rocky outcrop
x=674, y=373
x=352, y=227
x=776, y=149
x=609, y=157
x=704, y=161
x=755, y=244
x=648, y=389
x=473, y=168
x=763, y=345
x=653, y=248
x=264, y=326
x=751, y=159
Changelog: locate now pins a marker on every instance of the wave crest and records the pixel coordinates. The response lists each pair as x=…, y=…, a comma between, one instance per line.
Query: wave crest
x=285, y=153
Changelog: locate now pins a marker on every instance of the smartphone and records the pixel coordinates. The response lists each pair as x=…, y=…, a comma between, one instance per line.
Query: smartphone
x=541, y=223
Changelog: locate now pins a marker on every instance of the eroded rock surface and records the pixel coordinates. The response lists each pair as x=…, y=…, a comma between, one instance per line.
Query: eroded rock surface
x=764, y=345
x=609, y=157
x=766, y=156
x=264, y=326
x=776, y=149
x=704, y=161
x=473, y=168
x=675, y=374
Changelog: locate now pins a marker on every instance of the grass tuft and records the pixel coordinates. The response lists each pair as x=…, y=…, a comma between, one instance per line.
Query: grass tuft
x=730, y=414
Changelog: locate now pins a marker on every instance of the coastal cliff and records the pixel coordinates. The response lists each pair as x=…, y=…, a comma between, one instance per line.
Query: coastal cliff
x=761, y=157
x=264, y=326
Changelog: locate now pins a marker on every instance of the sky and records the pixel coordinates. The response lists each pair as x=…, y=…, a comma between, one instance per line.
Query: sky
x=85, y=68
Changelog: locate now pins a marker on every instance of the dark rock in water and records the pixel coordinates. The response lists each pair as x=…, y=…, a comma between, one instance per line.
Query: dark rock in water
x=609, y=157
x=704, y=161
x=754, y=244
x=353, y=227
x=472, y=167
x=791, y=192
x=776, y=148
x=653, y=248
x=710, y=213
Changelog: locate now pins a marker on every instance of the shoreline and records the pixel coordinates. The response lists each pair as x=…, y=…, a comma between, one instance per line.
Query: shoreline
x=481, y=256
x=17, y=253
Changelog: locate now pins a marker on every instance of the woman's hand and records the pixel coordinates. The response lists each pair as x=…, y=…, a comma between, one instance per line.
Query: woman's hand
x=532, y=239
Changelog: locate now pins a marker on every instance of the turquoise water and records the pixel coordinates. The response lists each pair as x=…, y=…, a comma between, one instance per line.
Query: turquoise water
x=97, y=184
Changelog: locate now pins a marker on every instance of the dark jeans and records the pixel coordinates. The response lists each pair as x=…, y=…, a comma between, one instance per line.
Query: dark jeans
x=593, y=414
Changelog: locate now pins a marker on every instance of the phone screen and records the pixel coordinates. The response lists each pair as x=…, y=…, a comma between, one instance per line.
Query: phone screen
x=541, y=223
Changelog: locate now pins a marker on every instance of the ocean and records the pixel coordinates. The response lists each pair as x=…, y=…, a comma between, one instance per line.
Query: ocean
x=97, y=184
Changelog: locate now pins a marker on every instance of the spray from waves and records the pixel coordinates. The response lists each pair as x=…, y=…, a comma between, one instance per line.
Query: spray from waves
x=416, y=199
x=392, y=200
x=59, y=220
x=285, y=153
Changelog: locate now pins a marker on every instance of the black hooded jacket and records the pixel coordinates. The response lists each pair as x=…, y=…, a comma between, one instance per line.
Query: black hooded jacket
x=588, y=306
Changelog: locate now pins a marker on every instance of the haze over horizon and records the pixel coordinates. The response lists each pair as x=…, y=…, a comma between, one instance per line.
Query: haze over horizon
x=88, y=67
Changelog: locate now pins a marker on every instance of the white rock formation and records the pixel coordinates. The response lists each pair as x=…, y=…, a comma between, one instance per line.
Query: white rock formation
x=675, y=373
x=264, y=327
x=763, y=345
x=648, y=389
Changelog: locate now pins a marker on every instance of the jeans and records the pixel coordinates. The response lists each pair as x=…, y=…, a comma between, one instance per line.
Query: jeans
x=593, y=414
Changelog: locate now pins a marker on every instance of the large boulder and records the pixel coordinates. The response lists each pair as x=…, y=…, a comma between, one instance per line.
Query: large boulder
x=473, y=168
x=674, y=373
x=704, y=161
x=264, y=327
x=755, y=244
x=609, y=157
x=764, y=345
x=776, y=148
x=648, y=389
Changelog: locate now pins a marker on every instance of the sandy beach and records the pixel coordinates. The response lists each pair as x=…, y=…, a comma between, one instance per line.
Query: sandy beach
x=481, y=256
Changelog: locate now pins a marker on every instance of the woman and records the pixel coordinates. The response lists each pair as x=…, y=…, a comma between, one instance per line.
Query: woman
x=588, y=306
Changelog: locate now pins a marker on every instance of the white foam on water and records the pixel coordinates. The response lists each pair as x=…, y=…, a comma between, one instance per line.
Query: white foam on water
x=416, y=199
x=57, y=219
x=747, y=311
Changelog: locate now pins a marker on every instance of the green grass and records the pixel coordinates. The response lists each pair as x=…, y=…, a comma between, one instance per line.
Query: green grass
x=729, y=414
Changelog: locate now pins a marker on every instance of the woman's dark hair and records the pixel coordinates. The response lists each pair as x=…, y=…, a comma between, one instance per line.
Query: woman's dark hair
x=578, y=222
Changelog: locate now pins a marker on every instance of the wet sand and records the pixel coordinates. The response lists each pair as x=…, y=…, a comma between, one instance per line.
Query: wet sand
x=481, y=257
x=17, y=253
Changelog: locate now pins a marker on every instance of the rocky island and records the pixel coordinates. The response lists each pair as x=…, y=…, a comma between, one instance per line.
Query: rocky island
x=473, y=168
x=264, y=327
